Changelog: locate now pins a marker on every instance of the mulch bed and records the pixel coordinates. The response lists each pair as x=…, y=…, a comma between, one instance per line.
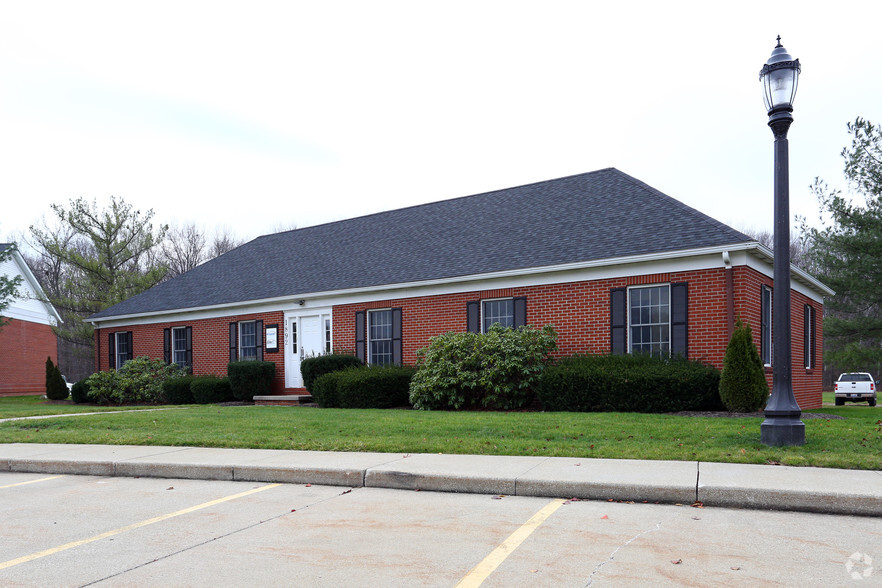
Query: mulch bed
x=758, y=414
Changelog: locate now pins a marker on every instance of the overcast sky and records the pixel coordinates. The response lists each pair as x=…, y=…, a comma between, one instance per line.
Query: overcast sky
x=259, y=116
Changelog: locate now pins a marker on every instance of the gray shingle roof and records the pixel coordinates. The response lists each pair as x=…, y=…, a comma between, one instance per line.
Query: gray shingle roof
x=586, y=217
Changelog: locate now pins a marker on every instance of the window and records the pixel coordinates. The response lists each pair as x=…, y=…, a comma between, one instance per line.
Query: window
x=177, y=346
x=766, y=326
x=649, y=314
x=380, y=337
x=327, y=335
x=294, y=349
x=497, y=311
x=121, y=348
x=809, y=336
x=508, y=312
x=246, y=340
x=650, y=319
x=377, y=336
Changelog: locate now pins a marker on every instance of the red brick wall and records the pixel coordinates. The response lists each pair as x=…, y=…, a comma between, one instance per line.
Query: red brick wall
x=578, y=310
x=24, y=347
x=211, y=343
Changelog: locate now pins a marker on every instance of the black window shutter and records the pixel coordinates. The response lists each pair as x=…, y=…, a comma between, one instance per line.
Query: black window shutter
x=111, y=349
x=258, y=334
x=618, y=298
x=189, y=355
x=473, y=316
x=396, y=336
x=234, y=341
x=131, y=353
x=166, y=345
x=679, y=319
x=359, y=335
x=520, y=312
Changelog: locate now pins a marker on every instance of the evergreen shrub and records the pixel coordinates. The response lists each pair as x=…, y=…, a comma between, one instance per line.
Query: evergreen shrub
x=374, y=387
x=251, y=378
x=313, y=367
x=138, y=381
x=56, y=387
x=324, y=389
x=629, y=383
x=499, y=369
x=177, y=390
x=211, y=390
x=743, y=386
x=80, y=391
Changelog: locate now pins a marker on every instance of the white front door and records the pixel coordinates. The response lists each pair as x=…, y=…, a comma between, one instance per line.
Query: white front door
x=305, y=336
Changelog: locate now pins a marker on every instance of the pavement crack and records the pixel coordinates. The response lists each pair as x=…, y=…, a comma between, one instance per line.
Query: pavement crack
x=697, y=478
x=612, y=556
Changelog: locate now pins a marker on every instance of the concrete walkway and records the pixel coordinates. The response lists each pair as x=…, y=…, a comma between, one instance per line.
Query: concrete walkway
x=849, y=492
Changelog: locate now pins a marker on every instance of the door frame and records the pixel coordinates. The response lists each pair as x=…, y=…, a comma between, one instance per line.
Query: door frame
x=293, y=378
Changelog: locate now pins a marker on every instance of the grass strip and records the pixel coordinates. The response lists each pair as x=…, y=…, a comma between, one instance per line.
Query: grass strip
x=854, y=442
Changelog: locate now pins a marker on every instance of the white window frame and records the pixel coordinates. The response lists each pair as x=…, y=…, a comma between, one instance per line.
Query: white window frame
x=121, y=359
x=484, y=302
x=370, y=340
x=175, y=350
x=242, y=356
x=809, y=335
x=631, y=325
x=328, y=334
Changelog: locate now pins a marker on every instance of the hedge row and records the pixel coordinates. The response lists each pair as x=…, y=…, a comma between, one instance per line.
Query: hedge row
x=629, y=383
x=364, y=387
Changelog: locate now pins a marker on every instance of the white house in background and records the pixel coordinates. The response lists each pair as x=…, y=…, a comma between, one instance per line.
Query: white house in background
x=27, y=339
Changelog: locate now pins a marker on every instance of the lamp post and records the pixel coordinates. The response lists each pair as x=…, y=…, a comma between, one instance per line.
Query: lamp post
x=782, y=425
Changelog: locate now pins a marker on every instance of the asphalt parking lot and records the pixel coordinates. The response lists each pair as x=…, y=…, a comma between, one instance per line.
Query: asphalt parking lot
x=114, y=531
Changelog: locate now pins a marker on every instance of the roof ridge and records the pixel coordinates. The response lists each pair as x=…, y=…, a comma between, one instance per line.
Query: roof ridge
x=443, y=200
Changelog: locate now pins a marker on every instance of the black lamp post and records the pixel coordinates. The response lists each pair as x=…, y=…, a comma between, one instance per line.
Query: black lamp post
x=782, y=425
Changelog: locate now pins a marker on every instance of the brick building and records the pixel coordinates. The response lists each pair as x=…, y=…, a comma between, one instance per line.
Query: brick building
x=27, y=339
x=615, y=265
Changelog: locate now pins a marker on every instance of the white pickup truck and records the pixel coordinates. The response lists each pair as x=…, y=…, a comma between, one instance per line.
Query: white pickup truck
x=855, y=387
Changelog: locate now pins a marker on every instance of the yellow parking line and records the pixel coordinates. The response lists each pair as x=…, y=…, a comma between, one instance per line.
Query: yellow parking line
x=480, y=572
x=72, y=544
x=29, y=482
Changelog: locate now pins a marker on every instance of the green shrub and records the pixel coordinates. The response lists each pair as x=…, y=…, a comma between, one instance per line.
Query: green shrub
x=80, y=391
x=177, y=390
x=312, y=368
x=56, y=387
x=629, y=383
x=138, y=381
x=251, y=378
x=211, y=390
x=324, y=389
x=498, y=369
x=374, y=387
x=743, y=386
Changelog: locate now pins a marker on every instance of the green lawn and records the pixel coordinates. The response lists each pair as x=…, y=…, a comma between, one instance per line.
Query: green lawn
x=853, y=442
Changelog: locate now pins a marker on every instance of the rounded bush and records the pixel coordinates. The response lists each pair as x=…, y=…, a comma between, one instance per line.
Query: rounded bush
x=251, y=378
x=80, y=391
x=211, y=390
x=177, y=390
x=324, y=389
x=312, y=368
x=56, y=387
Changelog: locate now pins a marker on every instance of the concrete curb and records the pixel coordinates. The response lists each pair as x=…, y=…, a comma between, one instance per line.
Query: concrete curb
x=759, y=487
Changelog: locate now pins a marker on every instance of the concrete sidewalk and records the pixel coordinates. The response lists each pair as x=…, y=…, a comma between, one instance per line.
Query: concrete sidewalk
x=850, y=492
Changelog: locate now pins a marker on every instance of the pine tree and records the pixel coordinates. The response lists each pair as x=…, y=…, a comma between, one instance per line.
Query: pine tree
x=743, y=386
x=847, y=253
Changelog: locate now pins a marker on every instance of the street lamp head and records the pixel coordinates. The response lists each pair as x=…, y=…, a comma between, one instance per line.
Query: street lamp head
x=779, y=77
